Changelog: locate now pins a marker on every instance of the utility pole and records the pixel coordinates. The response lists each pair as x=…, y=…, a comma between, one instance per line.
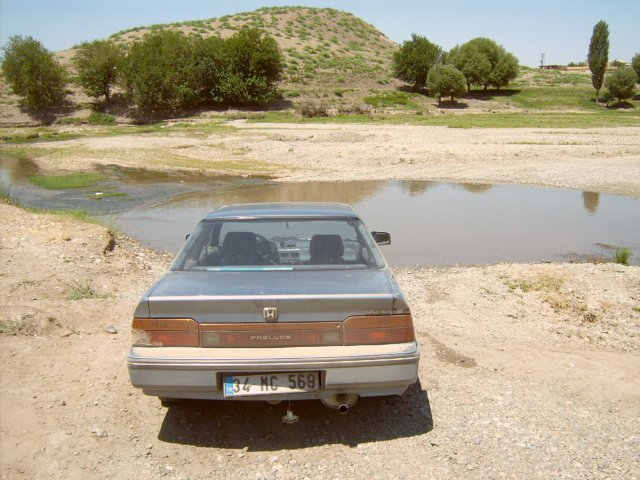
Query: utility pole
x=541, y=60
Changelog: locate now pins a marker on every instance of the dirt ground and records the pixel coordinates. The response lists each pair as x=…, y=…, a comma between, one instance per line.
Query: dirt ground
x=527, y=371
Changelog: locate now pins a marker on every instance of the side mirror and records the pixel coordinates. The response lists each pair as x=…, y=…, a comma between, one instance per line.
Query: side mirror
x=381, y=238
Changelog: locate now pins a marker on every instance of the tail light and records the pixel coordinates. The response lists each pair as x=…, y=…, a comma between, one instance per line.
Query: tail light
x=165, y=332
x=378, y=329
x=357, y=330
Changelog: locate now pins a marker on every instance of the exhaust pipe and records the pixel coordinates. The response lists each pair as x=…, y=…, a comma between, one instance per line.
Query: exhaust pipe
x=341, y=401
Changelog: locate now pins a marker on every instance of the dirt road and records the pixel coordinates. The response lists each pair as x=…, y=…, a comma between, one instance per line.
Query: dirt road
x=528, y=371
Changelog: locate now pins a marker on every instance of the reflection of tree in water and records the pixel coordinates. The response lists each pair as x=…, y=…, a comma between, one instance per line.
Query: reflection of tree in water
x=477, y=187
x=339, y=192
x=18, y=168
x=591, y=201
x=415, y=187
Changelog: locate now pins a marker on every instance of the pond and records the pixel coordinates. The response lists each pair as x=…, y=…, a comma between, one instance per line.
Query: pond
x=430, y=223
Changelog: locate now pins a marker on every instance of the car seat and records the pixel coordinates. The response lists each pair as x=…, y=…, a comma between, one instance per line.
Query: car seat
x=239, y=248
x=326, y=250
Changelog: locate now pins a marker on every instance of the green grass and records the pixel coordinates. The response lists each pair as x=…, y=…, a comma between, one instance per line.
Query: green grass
x=34, y=135
x=543, y=283
x=67, y=181
x=622, y=256
x=5, y=193
x=83, y=291
x=393, y=98
x=81, y=215
x=549, y=98
x=51, y=134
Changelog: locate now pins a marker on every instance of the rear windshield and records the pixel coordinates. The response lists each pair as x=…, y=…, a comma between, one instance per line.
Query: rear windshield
x=281, y=244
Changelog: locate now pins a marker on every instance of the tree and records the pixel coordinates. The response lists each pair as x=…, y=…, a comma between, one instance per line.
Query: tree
x=505, y=70
x=483, y=62
x=98, y=64
x=33, y=73
x=635, y=64
x=159, y=73
x=621, y=83
x=598, y=56
x=470, y=61
x=167, y=70
x=414, y=60
x=446, y=81
x=252, y=65
x=491, y=51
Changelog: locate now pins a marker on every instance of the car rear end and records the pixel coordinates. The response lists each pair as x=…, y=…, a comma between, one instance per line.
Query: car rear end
x=275, y=332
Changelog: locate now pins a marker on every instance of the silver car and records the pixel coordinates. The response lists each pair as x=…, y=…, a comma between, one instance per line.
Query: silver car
x=276, y=302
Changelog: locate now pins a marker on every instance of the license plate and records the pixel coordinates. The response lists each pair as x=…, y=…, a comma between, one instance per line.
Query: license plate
x=271, y=383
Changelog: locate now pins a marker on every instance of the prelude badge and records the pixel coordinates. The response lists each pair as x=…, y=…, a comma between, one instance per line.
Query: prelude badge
x=270, y=313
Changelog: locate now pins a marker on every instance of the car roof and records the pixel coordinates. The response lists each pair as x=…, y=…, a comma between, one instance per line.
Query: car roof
x=280, y=210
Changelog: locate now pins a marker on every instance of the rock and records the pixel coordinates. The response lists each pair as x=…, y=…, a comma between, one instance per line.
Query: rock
x=66, y=333
x=111, y=329
x=100, y=432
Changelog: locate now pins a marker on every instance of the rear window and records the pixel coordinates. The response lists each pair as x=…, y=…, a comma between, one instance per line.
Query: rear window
x=279, y=244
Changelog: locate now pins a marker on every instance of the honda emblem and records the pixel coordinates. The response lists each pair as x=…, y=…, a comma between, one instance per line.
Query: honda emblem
x=270, y=313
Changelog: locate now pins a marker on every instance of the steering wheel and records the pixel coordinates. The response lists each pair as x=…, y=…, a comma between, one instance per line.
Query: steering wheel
x=267, y=251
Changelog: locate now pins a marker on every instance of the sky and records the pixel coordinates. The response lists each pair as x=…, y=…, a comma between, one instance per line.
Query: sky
x=561, y=29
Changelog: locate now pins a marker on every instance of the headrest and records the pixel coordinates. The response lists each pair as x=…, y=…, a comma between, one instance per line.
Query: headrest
x=239, y=243
x=326, y=246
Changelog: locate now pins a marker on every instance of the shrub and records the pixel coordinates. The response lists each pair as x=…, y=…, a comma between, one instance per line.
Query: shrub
x=33, y=73
x=635, y=64
x=622, y=256
x=313, y=108
x=621, y=83
x=446, y=81
x=5, y=192
x=356, y=108
x=70, y=121
x=99, y=118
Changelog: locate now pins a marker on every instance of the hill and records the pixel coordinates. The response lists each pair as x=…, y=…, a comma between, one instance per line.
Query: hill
x=337, y=61
x=323, y=47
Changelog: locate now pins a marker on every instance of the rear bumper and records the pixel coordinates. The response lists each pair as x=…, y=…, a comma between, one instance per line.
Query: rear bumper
x=185, y=372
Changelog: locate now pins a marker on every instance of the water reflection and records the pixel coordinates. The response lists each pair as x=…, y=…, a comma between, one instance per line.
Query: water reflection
x=341, y=192
x=477, y=187
x=416, y=187
x=430, y=223
x=14, y=169
x=591, y=200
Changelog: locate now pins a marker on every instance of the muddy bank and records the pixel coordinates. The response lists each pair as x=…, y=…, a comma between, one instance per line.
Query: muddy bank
x=527, y=370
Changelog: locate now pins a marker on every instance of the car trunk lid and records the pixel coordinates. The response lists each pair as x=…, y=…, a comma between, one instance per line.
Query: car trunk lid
x=278, y=296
